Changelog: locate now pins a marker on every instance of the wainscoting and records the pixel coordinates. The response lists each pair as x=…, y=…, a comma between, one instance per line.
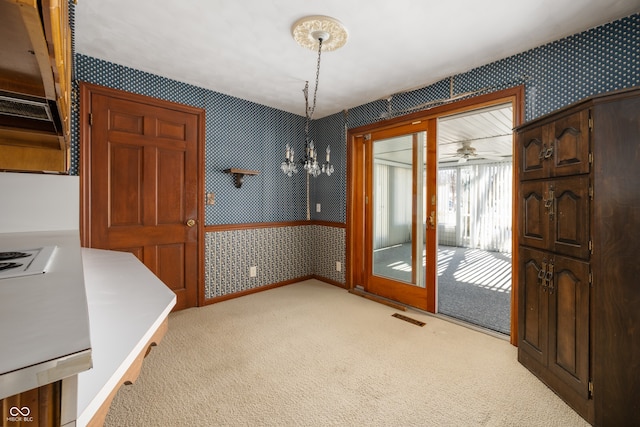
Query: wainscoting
x=281, y=252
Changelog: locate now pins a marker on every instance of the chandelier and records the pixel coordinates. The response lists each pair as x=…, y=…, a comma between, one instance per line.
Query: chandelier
x=326, y=34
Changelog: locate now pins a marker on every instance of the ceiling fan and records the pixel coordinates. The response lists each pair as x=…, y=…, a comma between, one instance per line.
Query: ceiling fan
x=465, y=152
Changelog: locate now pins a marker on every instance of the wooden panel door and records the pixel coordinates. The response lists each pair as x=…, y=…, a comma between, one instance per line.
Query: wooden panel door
x=533, y=304
x=569, y=323
x=143, y=183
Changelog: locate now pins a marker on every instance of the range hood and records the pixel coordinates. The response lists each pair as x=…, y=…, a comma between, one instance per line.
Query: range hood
x=27, y=112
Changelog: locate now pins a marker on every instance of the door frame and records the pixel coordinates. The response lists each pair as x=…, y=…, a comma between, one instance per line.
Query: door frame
x=355, y=227
x=86, y=92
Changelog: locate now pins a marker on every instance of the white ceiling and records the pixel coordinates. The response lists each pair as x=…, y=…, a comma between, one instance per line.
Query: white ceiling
x=244, y=48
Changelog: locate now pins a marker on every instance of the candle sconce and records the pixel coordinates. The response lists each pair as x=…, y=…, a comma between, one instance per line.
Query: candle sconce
x=239, y=174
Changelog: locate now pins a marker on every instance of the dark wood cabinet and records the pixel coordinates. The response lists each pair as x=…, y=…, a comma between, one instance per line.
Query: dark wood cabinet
x=579, y=272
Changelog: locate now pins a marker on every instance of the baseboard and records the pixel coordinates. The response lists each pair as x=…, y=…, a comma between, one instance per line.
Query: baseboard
x=271, y=286
x=329, y=281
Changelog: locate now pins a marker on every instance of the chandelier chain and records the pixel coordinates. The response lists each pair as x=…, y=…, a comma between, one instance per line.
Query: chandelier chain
x=315, y=90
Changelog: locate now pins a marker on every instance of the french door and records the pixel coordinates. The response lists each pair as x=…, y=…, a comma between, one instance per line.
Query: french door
x=400, y=210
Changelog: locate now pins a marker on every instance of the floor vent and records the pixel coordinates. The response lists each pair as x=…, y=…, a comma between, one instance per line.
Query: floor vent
x=408, y=319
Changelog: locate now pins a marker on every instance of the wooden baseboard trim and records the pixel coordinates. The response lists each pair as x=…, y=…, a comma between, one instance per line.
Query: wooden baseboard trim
x=378, y=299
x=331, y=282
x=271, y=286
x=254, y=290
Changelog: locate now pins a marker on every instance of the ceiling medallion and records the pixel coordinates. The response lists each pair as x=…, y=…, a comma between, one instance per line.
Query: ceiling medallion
x=306, y=32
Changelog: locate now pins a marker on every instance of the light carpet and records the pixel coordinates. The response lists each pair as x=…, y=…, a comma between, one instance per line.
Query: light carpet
x=311, y=354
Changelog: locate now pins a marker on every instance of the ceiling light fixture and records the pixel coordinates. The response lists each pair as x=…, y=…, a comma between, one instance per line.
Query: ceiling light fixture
x=320, y=33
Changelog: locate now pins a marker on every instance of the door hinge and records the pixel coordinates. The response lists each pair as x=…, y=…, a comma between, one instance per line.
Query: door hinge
x=591, y=279
x=590, y=158
x=366, y=200
x=591, y=192
x=590, y=388
x=90, y=119
x=591, y=246
x=590, y=122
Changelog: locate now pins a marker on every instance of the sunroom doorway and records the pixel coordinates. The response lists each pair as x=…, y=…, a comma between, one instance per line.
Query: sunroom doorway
x=475, y=193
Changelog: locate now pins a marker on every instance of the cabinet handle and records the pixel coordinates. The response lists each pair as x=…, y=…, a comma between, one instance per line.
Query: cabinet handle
x=549, y=203
x=548, y=152
x=542, y=274
x=549, y=278
x=542, y=152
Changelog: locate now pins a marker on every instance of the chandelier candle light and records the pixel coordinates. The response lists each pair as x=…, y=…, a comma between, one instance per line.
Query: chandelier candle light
x=323, y=33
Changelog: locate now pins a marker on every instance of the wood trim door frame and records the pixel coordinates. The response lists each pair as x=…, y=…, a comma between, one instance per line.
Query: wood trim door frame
x=86, y=92
x=355, y=235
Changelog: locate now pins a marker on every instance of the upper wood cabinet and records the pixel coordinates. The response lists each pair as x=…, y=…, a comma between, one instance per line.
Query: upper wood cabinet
x=35, y=85
x=559, y=148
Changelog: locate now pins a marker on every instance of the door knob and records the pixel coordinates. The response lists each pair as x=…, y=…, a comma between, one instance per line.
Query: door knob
x=191, y=222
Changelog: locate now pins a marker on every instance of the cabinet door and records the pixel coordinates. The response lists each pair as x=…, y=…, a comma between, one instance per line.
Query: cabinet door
x=569, y=216
x=533, y=310
x=559, y=148
x=569, y=145
x=534, y=216
x=569, y=323
x=532, y=150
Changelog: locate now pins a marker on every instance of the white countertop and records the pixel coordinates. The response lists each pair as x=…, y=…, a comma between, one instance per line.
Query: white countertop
x=127, y=303
x=44, y=321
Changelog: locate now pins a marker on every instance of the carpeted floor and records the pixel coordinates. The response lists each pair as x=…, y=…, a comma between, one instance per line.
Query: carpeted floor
x=311, y=354
x=473, y=285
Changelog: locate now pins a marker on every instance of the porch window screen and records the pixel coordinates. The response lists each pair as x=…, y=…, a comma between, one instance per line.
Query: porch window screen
x=392, y=204
x=474, y=206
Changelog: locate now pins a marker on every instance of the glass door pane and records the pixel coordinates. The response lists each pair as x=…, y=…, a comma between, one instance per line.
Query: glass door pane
x=398, y=208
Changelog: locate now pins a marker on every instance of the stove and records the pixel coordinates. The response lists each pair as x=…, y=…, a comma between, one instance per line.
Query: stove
x=25, y=262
